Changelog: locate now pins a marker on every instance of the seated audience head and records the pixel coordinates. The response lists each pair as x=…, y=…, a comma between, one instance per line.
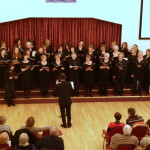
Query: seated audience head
x=2, y=120
x=30, y=121
x=127, y=130
x=62, y=76
x=54, y=131
x=4, y=138
x=117, y=116
x=24, y=139
x=131, y=112
x=73, y=56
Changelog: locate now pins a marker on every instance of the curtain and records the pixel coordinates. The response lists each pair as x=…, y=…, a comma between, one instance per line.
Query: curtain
x=60, y=31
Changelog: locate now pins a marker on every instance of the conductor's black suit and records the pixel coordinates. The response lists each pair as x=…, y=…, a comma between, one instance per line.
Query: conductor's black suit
x=64, y=91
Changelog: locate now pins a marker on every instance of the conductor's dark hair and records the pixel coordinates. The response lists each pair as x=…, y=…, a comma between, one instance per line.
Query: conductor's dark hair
x=62, y=76
x=131, y=111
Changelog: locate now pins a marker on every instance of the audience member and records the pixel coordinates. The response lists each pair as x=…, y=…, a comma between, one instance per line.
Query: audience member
x=132, y=119
x=30, y=126
x=24, y=143
x=4, y=141
x=117, y=116
x=52, y=141
x=3, y=126
x=126, y=138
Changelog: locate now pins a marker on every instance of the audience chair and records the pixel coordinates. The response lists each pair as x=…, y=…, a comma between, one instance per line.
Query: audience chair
x=148, y=147
x=107, y=136
x=126, y=147
x=140, y=129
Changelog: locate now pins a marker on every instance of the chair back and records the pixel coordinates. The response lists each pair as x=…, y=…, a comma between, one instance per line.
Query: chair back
x=148, y=147
x=115, y=130
x=126, y=147
x=140, y=130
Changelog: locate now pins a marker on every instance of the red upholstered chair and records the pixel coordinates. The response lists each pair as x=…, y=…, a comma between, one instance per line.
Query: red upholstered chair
x=140, y=129
x=47, y=133
x=148, y=147
x=126, y=147
x=107, y=136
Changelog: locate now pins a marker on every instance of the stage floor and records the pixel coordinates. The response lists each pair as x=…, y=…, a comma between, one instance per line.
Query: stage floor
x=88, y=119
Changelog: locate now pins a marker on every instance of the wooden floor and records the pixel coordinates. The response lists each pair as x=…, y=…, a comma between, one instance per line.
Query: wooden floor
x=88, y=120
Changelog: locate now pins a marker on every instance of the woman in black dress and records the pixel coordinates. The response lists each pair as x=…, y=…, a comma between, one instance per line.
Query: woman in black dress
x=89, y=74
x=74, y=67
x=104, y=72
x=44, y=76
x=3, y=66
x=124, y=49
x=138, y=71
x=10, y=92
x=26, y=69
x=16, y=59
x=57, y=68
x=119, y=74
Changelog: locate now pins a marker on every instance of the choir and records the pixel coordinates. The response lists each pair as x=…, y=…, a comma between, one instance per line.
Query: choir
x=103, y=65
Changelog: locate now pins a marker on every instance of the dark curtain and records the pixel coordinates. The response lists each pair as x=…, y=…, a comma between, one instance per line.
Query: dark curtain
x=60, y=31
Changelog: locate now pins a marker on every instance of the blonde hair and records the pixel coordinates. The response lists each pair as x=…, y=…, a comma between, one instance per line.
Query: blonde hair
x=30, y=121
x=2, y=120
x=57, y=55
x=43, y=57
x=4, y=138
x=23, y=139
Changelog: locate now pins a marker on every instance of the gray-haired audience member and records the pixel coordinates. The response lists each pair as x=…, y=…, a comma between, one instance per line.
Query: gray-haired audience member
x=126, y=138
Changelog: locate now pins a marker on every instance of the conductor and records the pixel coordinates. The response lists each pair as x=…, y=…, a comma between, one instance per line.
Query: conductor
x=64, y=90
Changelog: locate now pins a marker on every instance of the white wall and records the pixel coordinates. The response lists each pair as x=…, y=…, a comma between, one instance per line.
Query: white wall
x=125, y=12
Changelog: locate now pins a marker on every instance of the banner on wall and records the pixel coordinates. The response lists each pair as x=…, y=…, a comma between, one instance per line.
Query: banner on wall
x=61, y=1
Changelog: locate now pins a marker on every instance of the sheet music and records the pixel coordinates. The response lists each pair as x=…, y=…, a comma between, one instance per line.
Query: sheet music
x=72, y=84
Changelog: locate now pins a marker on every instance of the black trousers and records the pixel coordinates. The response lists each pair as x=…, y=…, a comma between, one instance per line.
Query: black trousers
x=66, y=110
x=137, y=85
x=103, y=81
x=44, y=83
x=10, y=93
x=119, y=83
